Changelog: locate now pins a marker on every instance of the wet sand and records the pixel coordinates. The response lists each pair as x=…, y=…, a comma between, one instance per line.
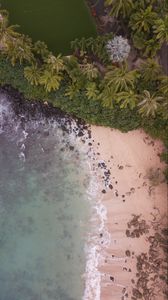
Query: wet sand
x=135, y=197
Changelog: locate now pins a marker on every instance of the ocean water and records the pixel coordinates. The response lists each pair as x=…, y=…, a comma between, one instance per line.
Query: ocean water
x=44, y=209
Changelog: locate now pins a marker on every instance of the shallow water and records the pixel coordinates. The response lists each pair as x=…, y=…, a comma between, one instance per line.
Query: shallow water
x=44, y=210
x=57, y=22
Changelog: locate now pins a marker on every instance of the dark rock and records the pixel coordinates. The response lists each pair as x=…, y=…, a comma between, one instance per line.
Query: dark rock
x=71, y=148
x=110, y=186
x=127, y=233
x=80, y=133
x=137, y=294
x=128, y=253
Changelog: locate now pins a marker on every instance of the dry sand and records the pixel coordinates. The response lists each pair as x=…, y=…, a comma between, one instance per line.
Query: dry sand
x=126, y=273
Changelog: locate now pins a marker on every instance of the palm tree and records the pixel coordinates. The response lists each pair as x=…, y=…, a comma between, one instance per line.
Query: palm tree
x=32, y=74
x=143, y=20
x=7, y=33
x=72, y=90
x=164, y=109
x=91, y=43
x=150, y=70
x=127, y=98
x=55, y=63
x=120, y=7
x=151, y=48
x=20, y=49
x=50, y=81
x=120, y=78
x=72, y=68
x=41, y=49
x=139, y=39
x=149, y=104
x=108, y=96
x=82, y=46
x=92, y=91
x=161, y=30
x=163, y=87
x=90, y=71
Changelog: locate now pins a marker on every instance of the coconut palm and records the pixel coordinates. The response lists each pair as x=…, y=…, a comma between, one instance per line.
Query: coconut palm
x=120, y=78
x=72, y=68
x=41, y=49
x=151, y=48
x=92, y=91
x=7, y=33
x=149, y=104
x=55, y=63
x=150, y=70
x=163, y=87
x=20, y=50
x=123, y=7
x=127, y=98
x=50, y=81
x=164, y=108
x=72, y=90
x=32, y=74
x=139, y=39
x=143, y=20
x=82, y=46
x=108, y=96
x=90, y=71
x=161, y=29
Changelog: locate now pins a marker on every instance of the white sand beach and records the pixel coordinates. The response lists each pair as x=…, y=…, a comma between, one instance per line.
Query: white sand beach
x=137, y=204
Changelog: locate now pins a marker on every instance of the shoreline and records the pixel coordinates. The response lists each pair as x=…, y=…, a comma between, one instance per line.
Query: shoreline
x=136, y=208
x=119, y=162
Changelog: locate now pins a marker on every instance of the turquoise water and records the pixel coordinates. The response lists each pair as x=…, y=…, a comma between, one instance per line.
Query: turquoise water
x=44, y=211
x=57, y=22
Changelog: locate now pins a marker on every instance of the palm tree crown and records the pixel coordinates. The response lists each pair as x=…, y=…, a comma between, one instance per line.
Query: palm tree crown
x=161, y=30
x=150, y=70
x=91, y=91
x=90, y=71
x=108, y=96
x=32, y=74
x=127, y=98
x=50, y=80
x=163, y=87
x=20, y=49
x=143, y=19
x=122, y=7
x=120, y=78
x=41, y=49
x=55, y=63
x=149, y=104
x=7, y=33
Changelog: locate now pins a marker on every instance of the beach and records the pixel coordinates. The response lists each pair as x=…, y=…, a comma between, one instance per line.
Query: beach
x=132, y=264
x=121, y=178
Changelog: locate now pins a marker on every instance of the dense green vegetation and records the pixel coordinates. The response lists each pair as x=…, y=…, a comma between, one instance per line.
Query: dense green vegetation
x=146, y=22
x=88, y=84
